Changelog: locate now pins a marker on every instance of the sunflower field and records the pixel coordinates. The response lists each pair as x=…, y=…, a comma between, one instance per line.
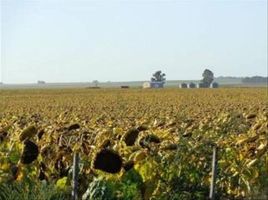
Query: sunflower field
x=135, y=144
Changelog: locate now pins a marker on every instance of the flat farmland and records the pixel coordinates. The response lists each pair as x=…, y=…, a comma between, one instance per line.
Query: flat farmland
x=136, y=143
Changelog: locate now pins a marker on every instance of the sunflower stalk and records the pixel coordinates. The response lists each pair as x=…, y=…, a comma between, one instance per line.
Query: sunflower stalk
x=75, y=176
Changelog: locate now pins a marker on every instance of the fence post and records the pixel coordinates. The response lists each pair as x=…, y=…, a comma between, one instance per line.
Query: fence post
x=214, y=174
x=75, y=176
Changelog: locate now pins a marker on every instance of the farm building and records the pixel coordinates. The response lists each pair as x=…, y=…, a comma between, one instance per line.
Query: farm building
x=157, y=84
x=124, y=86
x=146, y=85
x=214, y=85
x=191, y=85
x=183, y=85
x=41, y=82
x=201, y=85
x=153, y=84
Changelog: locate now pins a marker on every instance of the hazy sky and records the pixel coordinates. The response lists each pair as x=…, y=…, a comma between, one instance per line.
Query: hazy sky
x=111, y=40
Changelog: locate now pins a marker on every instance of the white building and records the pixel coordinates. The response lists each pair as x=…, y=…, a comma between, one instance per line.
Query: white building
x=146, y=85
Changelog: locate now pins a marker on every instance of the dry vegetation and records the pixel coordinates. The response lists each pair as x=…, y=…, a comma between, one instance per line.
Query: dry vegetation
x=137, y=144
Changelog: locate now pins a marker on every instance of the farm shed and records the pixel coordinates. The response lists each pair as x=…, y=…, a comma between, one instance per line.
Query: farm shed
x=183, y=85
x=157, y=84
x=41, y=82
x=153, y=84
x=191, y=85
x=146, y=85
x=201, y=85
x=214, y=85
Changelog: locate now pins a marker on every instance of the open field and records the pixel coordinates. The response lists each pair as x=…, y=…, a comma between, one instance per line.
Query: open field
x=163, y=140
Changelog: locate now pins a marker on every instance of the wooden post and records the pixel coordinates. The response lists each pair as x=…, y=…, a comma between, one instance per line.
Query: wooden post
x=75, y=176
x=214, y=174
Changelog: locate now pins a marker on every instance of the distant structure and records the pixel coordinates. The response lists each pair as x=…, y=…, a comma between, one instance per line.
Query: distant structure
x=207, y=81
x=183, y=85
x=158, y=80
x=201, y=85
x=146, y=85
x=191, y=85
x=124, y=86
x=95, y=83
x=156, y=84
x=41, y=82
x=214, y=85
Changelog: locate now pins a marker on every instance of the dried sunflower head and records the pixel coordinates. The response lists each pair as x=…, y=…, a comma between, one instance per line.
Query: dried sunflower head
x=146, y=140
x=28, y=133
x=130, y=137
x=142, y=128
x=3, y=135
x=108, y=160
x=30, y=152
x=40, y=134
x=251, y=116
x=14, y=171
x=73, y=127
x=169, y=147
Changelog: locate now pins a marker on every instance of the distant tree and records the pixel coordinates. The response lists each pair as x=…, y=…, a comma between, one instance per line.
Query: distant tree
x=41, y=82
x=208, y=78
x=158, y=76
x=95, y=83
x=255, y=79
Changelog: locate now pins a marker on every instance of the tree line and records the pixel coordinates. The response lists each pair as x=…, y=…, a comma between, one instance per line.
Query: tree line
x=255, y=79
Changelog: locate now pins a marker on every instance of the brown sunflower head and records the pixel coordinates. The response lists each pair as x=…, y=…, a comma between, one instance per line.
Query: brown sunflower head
x=3, y=135
x=30, y=152
x=130, y=137
x=28, y=133
x=108, y=160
